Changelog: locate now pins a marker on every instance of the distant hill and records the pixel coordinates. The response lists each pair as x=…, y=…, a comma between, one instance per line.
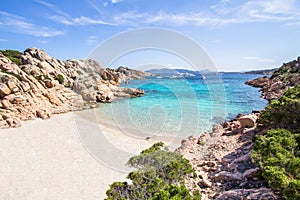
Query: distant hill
x=264, y=71
x=177, y=73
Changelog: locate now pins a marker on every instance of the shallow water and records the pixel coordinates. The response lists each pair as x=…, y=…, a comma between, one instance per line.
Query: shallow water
x=183, y=107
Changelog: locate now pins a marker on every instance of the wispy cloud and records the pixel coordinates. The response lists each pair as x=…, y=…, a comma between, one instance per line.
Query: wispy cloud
x=224, y=12
x=259, y=11
x=259, y=59
x=43, y=41
x=116, y=1
x=92, y=40
x=196, y=19
x=79, y=20
x=64, y=18
x=52, y=7
x=3, y=40
x=15, y=23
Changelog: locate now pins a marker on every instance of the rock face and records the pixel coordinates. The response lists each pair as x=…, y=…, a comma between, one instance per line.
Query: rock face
x=43, y=86
x=222, y=162
x=288, y=75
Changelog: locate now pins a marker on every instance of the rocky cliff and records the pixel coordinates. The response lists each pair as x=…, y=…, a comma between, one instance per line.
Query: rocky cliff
x=288, y=75
x=42, y=85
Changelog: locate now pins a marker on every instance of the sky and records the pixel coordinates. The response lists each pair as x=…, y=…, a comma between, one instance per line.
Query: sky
x=237, y=35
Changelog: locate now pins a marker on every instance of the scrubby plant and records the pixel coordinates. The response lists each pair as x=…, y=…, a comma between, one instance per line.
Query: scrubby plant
x=13, y=55
x=277, y=153
x=11, y=73
x=46, y=77
x=160, y=174
x=60, y=78
x=284, y=112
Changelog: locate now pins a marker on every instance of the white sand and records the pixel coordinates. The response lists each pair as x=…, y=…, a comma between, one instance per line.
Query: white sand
x=47, y=160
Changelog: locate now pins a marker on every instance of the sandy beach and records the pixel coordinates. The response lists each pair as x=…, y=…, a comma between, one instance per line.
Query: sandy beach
x=48, y=159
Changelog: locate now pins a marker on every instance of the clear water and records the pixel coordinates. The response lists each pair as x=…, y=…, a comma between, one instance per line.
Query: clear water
x=183, y=107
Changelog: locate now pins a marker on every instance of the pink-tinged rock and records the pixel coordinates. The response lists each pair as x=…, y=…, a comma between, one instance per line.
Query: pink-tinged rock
x=25, y=86
x=53, y=99
x=4, y=90
x=247, y=121
x=46, y=66
x=250, y=172
x=13, y=122
x=12, y=86
x=224, y=175
x=43, y=114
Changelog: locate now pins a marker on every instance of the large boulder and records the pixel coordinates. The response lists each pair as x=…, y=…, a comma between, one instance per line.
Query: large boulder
x=4, y=90
x=247, y=121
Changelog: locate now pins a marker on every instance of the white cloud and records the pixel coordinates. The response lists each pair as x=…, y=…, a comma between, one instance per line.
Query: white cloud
x=15, y=23
x=134, y=18
x=79, y=20
x=3, y=40
x=222, y=13
x=115, y=1
x=272, y=6
x=52, y=7
x=66, y=19
x=259, y=11
x=43, y=41
x=259, y=59
x=92, y=40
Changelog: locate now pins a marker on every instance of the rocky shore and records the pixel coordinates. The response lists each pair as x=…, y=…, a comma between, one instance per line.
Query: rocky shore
x=42, y=85
x=288, y=75
x=221, y=158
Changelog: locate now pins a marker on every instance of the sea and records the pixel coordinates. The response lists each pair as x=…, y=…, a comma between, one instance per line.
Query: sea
x=182, y=107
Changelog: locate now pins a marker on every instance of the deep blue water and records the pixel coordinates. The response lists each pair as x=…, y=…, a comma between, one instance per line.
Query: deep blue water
x=184, y=107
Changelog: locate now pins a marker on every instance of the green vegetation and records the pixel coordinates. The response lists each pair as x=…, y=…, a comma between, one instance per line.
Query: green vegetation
x=287, y=72
x=11, y=73
x=160, y=176
x=13, y=55
x=46, y=77
x=277, y=152
x=288, y=68
x=60, y=78
x=284, y=112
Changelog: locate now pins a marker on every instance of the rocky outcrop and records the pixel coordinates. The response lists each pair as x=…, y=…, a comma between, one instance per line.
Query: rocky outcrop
x=43, y=85
x=221, y=158
x=131, y=74
x=222, y=162
x=288, y=75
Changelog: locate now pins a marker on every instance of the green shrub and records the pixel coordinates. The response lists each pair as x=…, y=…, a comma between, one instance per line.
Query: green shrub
x=46, y=77
x=160, y=174
x=11, y=73
x=60, y=78
x=277, y=154
x=13, y=55
x=284, y=112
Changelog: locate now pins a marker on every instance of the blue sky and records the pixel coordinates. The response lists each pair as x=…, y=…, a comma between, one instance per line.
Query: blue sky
x=238, y=35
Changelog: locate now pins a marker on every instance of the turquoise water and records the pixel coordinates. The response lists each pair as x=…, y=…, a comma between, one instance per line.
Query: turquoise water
x=183, y=107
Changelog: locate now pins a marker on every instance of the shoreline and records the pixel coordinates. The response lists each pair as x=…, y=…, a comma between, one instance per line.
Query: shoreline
x=41, y=158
